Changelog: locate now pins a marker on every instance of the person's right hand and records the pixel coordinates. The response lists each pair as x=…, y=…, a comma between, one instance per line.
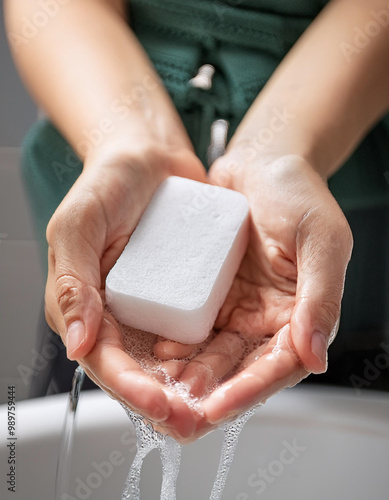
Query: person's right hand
x=86, y=235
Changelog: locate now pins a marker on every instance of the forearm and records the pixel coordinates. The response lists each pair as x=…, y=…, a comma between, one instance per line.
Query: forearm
x=326, y=94
x=87, y=71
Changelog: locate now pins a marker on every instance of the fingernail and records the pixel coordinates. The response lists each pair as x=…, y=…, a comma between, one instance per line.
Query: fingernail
x=319, y=345
x=74, y=337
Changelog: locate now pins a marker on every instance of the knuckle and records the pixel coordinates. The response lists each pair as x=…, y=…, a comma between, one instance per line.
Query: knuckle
x=67, y=292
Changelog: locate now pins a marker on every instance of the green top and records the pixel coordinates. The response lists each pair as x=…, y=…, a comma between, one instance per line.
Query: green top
x=244, y=41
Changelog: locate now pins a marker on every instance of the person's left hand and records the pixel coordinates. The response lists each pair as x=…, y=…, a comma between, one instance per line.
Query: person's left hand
x=285, y=297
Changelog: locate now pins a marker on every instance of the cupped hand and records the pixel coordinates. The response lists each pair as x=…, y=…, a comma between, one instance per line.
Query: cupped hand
x=286, y=296
x=86, y=235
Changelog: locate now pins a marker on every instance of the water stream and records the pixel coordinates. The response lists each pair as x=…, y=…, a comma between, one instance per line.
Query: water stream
x=170, y=452
x=140, y=346
x=232, y=431
x=67, y=436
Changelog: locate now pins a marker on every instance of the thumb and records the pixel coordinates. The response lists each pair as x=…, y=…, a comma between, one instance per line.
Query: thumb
x=324, y=247
x=73, y=303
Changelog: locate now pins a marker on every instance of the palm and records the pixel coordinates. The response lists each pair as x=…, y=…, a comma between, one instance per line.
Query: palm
x=259, y=304
x=261, y=300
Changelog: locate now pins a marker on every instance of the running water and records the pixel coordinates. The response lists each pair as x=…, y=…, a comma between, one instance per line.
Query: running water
x=232, y=431
x=67, y=436
x=170, y=451
x=140, y=346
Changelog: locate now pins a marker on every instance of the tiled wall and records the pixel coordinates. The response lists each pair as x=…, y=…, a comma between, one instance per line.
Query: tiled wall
x=21, y=277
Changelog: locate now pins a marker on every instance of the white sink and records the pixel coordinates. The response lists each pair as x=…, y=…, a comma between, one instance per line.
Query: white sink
x=308, y=443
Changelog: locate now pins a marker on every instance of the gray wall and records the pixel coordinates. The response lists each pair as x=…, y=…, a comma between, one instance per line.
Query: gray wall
x=21, y=277
x=17, y=109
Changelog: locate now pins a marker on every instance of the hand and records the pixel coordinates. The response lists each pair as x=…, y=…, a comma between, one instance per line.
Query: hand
x=286, y=295
x=86, y=235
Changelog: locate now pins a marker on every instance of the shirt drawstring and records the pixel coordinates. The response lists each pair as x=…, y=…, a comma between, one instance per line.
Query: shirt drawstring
x=207, y=97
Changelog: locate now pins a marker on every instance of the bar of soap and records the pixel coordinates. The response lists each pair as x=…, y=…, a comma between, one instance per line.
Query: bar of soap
x=178, y=266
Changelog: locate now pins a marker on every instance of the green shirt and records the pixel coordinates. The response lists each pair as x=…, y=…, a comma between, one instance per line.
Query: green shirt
x=244, y=41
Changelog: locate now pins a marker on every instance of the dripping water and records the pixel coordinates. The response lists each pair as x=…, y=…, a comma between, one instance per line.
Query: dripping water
x=170, y=451
x=140, y=346
x=147, y=440
x=232, y=431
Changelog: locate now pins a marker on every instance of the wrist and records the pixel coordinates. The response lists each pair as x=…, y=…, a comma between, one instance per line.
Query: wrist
x=117, y=161
x=262, y=141
x=119, y=165
x=267, y=176
x=139, y=133
x=250, y=154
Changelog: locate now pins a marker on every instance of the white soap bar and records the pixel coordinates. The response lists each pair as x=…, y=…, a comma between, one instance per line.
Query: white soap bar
x=176, y=270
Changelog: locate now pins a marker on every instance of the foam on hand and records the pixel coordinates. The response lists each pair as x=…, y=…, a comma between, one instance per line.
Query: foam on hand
x=176, y=270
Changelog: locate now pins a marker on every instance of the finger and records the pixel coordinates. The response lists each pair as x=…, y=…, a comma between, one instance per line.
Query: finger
x=254, y=355
x=76, y=236
x=168, y=349
x=277, y=368
x=182, y=421
x=110, y=256
x=170, y=369
x=323, y=252
x=219, y=358
x=121, y=376
x=201, y=428
x=73, y=309
x=220, y=172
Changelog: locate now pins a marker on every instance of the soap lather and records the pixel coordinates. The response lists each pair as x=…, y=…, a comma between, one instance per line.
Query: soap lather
x=178, y=266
